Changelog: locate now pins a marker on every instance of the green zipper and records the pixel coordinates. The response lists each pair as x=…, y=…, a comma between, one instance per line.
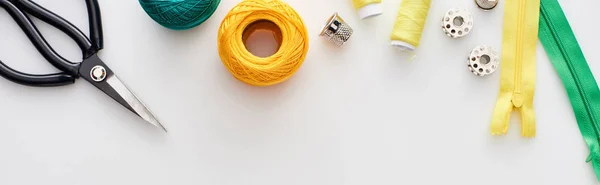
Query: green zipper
x=564, y=52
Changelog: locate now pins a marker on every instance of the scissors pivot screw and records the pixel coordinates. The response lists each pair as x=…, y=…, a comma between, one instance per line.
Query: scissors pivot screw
x=98, y=73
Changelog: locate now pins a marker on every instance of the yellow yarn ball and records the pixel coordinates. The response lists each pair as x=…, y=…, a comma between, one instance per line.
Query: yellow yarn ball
x=253, y=70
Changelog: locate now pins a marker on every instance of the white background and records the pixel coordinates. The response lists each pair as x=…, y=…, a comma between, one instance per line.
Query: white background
x=356, y=115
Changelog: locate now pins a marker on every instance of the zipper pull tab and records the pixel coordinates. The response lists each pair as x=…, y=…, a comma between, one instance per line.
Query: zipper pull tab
x=517, y=99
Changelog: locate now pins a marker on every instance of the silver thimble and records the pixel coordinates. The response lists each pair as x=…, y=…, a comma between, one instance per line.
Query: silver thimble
x=486, y=4
x=337, y=31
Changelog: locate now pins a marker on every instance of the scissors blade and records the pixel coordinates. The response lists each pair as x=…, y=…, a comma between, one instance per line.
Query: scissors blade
x=97, y=73
x=133, y=102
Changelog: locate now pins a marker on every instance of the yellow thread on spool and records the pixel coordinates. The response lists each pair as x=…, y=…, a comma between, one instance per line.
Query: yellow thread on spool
x=410, y=21
x=288, y=29
x=368, y=8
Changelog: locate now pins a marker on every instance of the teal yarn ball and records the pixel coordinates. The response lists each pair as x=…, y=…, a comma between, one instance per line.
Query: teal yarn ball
x=179, y=14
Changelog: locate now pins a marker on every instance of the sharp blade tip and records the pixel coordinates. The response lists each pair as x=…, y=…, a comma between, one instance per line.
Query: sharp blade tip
x=163, y=128
x=156, y=123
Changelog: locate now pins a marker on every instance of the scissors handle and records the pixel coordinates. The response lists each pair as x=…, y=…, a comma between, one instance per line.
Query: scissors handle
x=17, y=10
x=51, y=18
x=45, y=80
x=95, y=21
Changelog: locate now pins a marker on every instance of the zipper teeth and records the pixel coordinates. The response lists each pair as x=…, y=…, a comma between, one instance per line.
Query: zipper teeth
x=519, y=47
x=572, y=69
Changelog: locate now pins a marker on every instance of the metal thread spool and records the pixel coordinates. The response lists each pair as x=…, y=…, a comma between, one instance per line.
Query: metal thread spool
x=337, y=31
x=486, y=4
x=457, y=23
x=483, y=60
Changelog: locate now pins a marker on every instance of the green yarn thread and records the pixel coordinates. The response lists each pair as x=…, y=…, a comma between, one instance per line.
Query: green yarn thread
x=179, y=14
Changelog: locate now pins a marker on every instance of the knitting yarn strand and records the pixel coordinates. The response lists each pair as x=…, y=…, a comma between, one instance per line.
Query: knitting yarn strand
x=249, y=68
x=406, y=34
x=179, y=14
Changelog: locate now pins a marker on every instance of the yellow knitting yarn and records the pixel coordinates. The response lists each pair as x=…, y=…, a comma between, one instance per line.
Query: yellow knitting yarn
x=409, y=24
x=250, y=15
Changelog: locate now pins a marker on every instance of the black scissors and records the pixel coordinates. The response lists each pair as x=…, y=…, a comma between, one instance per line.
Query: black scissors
x=91, y=68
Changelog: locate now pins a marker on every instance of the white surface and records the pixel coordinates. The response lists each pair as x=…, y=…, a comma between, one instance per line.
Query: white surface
x=356, y=115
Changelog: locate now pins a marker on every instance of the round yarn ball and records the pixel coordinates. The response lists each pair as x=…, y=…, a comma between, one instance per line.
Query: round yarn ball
x=252, y=69
x=179, y=14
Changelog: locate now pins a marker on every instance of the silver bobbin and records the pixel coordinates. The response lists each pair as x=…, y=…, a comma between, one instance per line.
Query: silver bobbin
x=486, y=4
x=337, y=30
x=457, y=23
x=483, y=60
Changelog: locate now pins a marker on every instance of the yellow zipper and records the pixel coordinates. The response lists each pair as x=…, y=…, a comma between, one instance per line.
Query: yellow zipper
x=517, y=83
x=517, y=97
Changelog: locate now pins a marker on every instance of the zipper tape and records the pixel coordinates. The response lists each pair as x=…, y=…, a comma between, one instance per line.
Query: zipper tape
x=564, y=52
x=517, y=74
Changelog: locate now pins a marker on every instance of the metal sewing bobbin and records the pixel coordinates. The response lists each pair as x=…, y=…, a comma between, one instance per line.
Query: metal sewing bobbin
x=457, y=23
x=483, y=60
x=337, y=30
x=486, y=4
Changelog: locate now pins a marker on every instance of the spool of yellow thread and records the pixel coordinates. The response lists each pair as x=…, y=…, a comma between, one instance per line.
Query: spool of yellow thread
x=368, y=8
x=252, y=15
x=409, y=24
